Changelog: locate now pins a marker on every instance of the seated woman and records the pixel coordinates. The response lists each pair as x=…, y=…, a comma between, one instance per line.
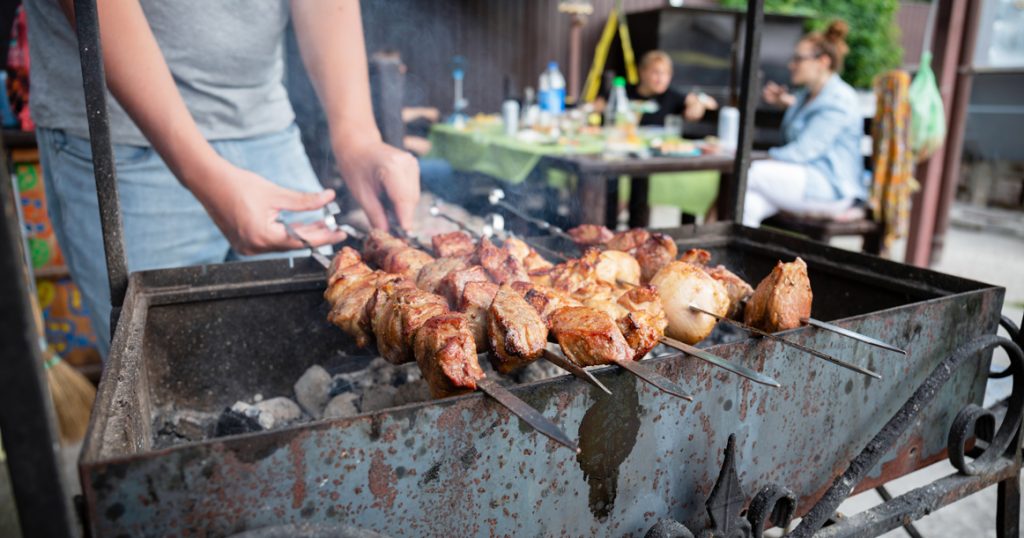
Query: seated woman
x=655, y=79
x=820, y=168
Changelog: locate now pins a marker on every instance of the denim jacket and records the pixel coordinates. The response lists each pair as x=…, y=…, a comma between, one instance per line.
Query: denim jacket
x=825, y=135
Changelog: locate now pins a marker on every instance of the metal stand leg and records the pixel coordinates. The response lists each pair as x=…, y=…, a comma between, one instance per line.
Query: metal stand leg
x=909, y=527
x=1008, y=508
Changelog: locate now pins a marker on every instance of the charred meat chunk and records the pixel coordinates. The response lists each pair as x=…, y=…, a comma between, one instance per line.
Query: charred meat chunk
x=398, y=313
x=589, y=337
x=454, y=283
x=453, y=245
x=476, y=301
x=431, y=275
x=515, y=330
x=782, y=299
x=589, y=235
x=446, y=354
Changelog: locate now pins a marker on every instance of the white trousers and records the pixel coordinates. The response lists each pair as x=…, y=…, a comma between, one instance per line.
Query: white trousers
x=774, y=186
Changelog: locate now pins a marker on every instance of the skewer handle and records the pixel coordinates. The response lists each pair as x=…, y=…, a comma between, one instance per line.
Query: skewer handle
x=528, y=414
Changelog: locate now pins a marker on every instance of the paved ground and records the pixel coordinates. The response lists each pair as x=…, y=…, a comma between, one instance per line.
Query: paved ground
x=991, y=253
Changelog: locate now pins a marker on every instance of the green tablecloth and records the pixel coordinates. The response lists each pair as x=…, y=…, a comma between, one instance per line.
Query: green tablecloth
x=487, y=150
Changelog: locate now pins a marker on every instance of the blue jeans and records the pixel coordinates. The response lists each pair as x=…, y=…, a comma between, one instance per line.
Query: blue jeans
x=164, y=224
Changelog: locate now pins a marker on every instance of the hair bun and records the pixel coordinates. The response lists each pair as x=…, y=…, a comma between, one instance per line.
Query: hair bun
x=837, y=31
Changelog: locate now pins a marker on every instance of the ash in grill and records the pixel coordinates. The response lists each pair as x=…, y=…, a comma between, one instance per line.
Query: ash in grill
x=317, y=394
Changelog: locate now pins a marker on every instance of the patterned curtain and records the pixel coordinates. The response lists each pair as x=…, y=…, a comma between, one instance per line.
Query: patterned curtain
x=894, y=183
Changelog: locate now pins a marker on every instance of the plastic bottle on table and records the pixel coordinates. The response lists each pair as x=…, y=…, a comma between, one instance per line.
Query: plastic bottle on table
x=552, y=90
x=618, y=116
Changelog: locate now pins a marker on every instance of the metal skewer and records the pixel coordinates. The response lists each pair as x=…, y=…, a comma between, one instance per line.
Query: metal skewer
x=435, y=211
x=715, y=360
x=711, y=358
x=511, y=402
x=529, y=415
x=577, y=371
x=851, y=334
x=497, y=197
x=790, y=343
x=316, y=254
x=655, y=379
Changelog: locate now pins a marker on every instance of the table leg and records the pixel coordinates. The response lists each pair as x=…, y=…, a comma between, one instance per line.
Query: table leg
x=639, y=210
x=723, y=206
x=592, y=199
x=611, y=203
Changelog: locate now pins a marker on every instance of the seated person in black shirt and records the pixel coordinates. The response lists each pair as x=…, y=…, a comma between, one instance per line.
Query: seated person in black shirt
x=655, y=81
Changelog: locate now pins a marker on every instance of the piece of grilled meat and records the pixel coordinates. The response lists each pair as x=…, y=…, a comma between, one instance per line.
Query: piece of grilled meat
x=454, y=283
x=406, y=261
x=398, y=312
x=344, y=263
x=590, y=235
x=532, y=261
x=446, y=354
x=516, y=332
x=646, y=321
x=431, y=275
x=499, y=263
x=653, y=254
x=782, y=299
x=475, y=303
x=453, y=245
x=378, y=244
x=546, y=301
x=629, y=240
x=350, y=298
x=589, y=337
x=737, y=288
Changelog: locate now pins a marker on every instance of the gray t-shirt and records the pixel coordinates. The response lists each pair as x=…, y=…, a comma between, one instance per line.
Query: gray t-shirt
x=226, y=58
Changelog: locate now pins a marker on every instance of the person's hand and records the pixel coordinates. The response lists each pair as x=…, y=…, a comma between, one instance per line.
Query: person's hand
x=777, y=95
x=245, y=207
x=694, y=108
x=373, y=168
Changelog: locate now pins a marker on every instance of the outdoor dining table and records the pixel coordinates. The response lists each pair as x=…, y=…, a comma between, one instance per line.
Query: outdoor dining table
x=486, y=150
x=597, y=184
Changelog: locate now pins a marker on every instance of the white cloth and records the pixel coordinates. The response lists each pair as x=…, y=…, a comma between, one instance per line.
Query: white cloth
x=774, y=186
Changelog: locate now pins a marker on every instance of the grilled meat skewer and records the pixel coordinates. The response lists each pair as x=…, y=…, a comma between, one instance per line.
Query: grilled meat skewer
x=444, y=351
x=509, y=321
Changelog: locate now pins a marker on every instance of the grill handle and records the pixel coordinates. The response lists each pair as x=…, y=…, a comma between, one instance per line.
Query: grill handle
x=87, y=28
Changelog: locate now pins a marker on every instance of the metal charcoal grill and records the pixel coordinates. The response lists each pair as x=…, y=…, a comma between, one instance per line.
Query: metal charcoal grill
x=204, y=337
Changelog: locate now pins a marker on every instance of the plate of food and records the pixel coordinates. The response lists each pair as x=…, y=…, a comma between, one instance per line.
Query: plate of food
x=674, y=148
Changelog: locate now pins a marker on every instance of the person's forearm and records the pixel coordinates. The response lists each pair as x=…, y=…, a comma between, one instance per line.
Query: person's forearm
x=330, y=36
x=140, y=80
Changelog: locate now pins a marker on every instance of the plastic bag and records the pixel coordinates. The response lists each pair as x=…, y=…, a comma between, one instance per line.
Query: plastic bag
x=927, y=115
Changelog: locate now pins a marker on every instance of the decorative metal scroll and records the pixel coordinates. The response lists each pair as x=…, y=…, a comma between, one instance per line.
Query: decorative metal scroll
x=777, y=504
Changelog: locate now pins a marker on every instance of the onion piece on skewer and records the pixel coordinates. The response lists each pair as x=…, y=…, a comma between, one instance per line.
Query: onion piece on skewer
x=681, y=284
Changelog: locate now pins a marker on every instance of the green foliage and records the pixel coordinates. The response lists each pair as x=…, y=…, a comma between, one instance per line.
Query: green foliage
x=874, y=38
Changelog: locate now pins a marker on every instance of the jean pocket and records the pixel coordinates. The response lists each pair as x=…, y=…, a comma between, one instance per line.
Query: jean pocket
x=80, y=148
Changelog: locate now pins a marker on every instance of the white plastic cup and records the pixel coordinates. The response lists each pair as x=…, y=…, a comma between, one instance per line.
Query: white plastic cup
x=728, y=128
